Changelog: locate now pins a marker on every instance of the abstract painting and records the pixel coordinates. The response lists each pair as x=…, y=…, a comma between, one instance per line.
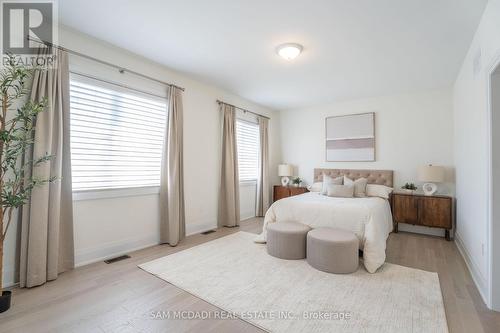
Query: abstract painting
x=350, y=138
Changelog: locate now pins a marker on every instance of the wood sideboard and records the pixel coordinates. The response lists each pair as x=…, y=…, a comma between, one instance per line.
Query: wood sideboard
x=281, y=192
x=435, y=211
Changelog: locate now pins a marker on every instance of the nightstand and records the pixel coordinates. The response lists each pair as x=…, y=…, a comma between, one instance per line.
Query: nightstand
x=281, y=192
x=435, y=211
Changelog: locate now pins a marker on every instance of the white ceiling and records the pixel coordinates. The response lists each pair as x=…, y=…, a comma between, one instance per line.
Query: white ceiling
x=352, y=49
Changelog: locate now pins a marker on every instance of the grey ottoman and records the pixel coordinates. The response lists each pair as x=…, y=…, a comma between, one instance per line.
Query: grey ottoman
x=332, y=250
x=287, y=240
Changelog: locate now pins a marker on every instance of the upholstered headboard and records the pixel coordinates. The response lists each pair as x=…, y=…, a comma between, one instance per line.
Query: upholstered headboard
x=382, y=177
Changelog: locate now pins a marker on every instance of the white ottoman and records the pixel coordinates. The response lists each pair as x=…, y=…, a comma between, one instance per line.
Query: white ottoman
x=287, y=240
x=332, y=250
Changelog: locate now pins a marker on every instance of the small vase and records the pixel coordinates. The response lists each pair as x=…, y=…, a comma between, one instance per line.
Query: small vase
x=408, y=191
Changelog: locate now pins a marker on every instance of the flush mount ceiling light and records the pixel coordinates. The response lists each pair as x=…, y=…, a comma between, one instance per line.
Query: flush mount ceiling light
x=289, y=51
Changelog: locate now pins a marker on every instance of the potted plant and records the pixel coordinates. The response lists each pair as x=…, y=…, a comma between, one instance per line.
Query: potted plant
x=17, y=129
x=409, y=188
x=296, y=181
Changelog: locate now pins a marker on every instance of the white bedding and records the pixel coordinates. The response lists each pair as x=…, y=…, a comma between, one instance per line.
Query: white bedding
x=368, y=218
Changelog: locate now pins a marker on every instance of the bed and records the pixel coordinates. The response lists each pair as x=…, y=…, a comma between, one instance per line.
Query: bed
x=369, y=218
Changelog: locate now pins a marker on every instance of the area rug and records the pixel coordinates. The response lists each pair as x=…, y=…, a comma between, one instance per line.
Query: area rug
x=238, y=276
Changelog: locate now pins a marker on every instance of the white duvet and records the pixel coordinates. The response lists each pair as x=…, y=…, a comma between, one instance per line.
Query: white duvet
x=368, y=218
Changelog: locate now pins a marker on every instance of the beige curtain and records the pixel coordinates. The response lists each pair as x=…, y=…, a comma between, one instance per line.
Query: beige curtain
x=229, y=193
x=263, y=188
x=47, y=220
x=172, y=223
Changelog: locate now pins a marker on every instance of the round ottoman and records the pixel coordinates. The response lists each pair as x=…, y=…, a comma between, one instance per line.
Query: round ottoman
x=332, y=250
x=287, y=240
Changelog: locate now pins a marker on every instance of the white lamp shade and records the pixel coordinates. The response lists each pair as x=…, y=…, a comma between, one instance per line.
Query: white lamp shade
x=431, y=173
x=285, y=170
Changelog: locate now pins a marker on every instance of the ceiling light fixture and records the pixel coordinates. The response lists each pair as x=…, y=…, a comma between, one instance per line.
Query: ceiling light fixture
x=289, y=51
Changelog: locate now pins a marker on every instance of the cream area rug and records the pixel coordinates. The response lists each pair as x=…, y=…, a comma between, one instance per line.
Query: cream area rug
x=238, y=276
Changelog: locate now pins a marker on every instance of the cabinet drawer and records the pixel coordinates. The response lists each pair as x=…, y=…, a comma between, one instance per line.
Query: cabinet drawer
x=435, y=212
x=280, y=192
x=297, y=190
x=405, y=209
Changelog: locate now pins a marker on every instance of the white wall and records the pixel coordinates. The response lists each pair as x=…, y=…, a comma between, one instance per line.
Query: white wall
x=471, y=114
x=411, y=130
x=495, y=185
x=107, y=227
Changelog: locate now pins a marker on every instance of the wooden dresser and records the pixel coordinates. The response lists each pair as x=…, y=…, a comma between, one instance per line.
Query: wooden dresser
x=281, y=192
x=434, y=211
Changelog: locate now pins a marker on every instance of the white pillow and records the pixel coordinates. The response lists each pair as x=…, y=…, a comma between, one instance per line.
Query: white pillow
x=340, y=191
x=382, y=191
x=359, y=186
x=316, y=187
x=327, y=180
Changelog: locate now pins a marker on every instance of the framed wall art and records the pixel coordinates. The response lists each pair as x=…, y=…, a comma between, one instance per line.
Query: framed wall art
x=350, y=138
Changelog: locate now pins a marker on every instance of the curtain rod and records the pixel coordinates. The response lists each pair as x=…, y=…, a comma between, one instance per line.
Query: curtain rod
x=120, y=69
x=244, y=110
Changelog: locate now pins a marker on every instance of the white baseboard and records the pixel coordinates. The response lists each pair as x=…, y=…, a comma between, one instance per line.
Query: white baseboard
x=91, y=255
x=475, y=272
x=113, y=249
x=117, y=248
x=192, y=229
x=247, y=216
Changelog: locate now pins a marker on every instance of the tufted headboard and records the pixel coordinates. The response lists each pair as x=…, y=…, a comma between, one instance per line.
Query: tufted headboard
x=382, y=177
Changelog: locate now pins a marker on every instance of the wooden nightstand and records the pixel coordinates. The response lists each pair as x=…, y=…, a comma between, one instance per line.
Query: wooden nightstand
x=281, y=192
x=434, y=211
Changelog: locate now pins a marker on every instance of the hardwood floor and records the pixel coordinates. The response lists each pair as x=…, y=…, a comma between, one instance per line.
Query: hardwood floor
x=120, y=297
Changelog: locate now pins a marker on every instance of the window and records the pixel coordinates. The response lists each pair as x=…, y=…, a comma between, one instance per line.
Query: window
x=116, y=135
x=248, y=143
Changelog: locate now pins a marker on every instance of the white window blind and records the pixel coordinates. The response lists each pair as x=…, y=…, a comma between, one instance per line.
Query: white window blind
x=248, y=145
x=116, y=135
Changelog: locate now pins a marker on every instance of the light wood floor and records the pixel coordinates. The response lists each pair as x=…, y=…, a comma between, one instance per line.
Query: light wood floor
x=120, y=297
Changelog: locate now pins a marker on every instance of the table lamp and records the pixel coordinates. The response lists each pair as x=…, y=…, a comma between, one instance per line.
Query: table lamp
x=285, y=171
x=430, y=174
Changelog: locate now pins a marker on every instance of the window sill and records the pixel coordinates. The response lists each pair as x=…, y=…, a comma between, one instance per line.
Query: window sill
x=115, y=193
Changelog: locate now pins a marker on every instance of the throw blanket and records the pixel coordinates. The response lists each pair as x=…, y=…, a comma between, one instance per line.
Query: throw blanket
x=368, y=218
